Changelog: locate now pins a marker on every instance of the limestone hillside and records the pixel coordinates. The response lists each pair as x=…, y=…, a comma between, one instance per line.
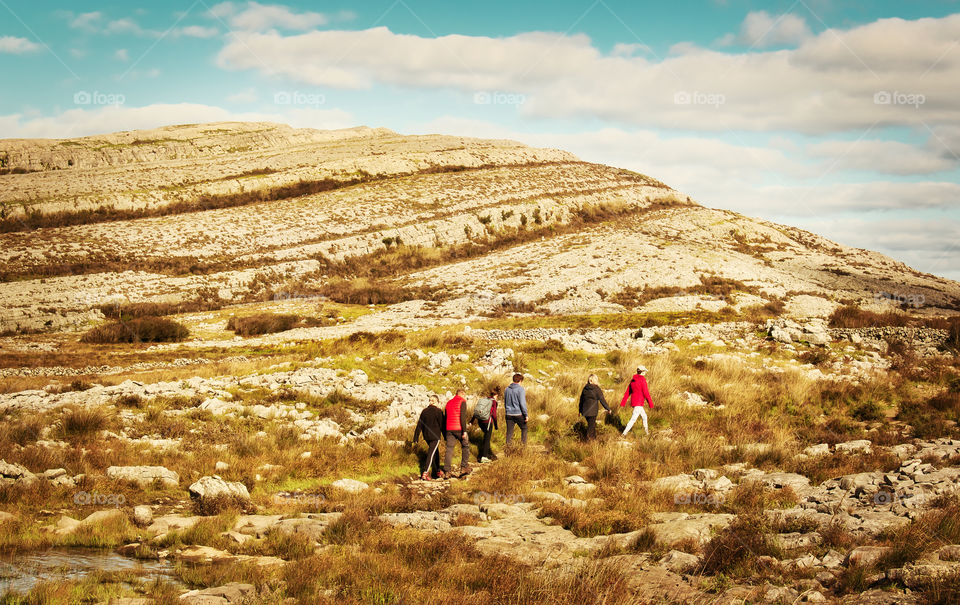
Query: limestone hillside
x=240, y=212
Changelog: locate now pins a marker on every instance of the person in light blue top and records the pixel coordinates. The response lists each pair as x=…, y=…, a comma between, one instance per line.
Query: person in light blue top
x=515, y=409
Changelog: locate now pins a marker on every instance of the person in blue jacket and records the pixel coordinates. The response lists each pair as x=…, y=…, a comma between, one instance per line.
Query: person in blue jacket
x=515, y=409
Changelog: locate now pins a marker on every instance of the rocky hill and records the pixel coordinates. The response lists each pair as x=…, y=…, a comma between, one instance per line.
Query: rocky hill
x=218, y=339
x=232, y=211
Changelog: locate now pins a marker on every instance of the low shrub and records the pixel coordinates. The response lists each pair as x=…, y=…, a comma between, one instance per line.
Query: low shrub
x=145, y=329
x=854, y=317
x=733, y=550
x=269, y=323
x=363, y=291
x=84, y=423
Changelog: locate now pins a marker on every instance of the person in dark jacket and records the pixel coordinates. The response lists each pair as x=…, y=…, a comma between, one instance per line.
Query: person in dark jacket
x=488, y=426
x=590, y=397
x=431, y=426
x=456, y=425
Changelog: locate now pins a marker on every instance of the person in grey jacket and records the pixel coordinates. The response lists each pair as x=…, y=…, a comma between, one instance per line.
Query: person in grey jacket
x=590, y=400
x=515, y=409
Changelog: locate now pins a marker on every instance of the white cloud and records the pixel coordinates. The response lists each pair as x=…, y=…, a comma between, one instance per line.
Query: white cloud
x=885, y=157
x=122, y=54
x=761, y=30
x=829, y=83
x=112, y=118
x=86, y=21
x=197, y=31
x=17, y=46
x=247, y=96
x=262, y=17
x=127, y=26
x=622, y=49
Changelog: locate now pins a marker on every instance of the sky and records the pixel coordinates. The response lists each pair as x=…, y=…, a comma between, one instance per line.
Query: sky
x=839, y=117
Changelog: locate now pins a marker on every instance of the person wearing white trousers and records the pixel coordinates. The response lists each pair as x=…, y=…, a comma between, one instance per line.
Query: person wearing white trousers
x=639, y=394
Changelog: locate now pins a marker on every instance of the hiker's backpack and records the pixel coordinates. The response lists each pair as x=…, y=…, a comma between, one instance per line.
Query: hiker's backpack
x=482, y=411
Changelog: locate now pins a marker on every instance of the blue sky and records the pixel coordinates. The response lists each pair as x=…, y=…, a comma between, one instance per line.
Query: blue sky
x=838, y=117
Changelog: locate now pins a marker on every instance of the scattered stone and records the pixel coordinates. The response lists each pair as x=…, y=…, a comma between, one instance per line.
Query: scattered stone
x=865, y=556
x=15, y=472
x=228, y=594
x=221, y=466
x=207, y=489
x=950, y=552
x=142, y=515
x=359, y=378
x=144, y=475
x=860, y=446
x=351, y=486
x=821, y=449
x=679, y=562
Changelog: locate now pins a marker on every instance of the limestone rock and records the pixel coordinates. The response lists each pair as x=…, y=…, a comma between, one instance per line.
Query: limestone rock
x=208, y=488
x=865, y=556
x=144, y=475
x=679, y=562
x=142, y=515
x=860, y=446
x=228, y=594
x=351, y=486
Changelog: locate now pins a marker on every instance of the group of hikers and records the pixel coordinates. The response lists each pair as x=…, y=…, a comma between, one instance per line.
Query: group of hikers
x=451, y=424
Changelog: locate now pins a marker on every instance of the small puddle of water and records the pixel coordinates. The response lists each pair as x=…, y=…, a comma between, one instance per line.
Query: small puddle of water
x=20, y=572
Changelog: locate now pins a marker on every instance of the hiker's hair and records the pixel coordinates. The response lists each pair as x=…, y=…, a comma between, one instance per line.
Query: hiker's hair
x=434, y=398
x=461, y=391
x=518, y=377
x=495, y=391
x=593, y=379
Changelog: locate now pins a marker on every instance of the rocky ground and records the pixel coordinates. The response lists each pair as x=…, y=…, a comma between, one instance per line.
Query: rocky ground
x=789, y=459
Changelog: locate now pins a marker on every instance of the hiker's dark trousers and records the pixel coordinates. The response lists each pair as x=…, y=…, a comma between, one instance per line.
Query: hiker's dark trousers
x=485, y=451
x=455, y=438
x=431, y=462
x=518, y=421
x=591, y=427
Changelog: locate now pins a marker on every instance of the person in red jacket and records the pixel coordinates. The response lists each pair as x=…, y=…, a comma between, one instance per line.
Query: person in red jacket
x=638, y=393
x=456, y=413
